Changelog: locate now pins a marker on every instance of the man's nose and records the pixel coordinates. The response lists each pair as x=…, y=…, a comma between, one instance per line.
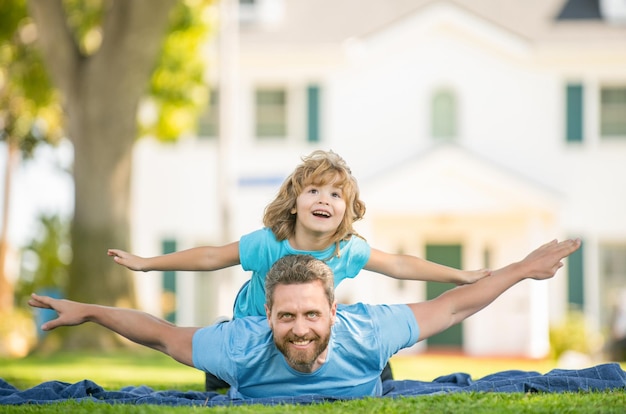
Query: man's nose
x=300, y=327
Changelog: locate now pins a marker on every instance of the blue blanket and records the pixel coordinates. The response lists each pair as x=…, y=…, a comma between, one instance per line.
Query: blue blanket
x=599, y=378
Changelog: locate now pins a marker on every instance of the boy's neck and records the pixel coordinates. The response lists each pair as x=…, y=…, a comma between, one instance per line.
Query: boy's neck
x=310, y=242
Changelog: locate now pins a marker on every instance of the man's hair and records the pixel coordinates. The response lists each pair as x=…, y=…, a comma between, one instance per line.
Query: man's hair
x=318, y=168
x=298, y=269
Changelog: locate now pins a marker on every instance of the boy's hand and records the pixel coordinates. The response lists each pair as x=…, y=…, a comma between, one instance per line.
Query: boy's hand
x=472, y=276
x=126, y=259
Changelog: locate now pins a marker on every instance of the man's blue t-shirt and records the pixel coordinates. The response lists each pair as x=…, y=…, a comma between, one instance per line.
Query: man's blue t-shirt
x=259, y=250
x=242, y=352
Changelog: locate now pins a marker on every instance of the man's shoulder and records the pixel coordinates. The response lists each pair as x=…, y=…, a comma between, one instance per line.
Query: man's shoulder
x=367, y=315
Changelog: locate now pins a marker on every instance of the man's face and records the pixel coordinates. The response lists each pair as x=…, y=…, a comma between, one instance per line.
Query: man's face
x=301, y=319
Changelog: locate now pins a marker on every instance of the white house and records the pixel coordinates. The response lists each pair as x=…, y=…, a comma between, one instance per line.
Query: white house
x=477, y=130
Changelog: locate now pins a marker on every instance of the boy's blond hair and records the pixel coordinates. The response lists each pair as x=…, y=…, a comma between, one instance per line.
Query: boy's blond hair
x=318, y=168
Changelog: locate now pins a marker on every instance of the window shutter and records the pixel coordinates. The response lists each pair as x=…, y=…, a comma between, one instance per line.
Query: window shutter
x=313, y=113
x=169, y=284
x=576, y=283
x=574, y=113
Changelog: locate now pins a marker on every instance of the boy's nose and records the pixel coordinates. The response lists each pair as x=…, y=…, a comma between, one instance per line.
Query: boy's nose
x=322, y=200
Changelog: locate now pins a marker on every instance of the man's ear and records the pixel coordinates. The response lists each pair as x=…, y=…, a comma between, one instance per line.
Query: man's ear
x=333, y=313
x=268, y=312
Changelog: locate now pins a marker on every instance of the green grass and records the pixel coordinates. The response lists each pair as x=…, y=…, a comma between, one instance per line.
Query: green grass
x=115, y=371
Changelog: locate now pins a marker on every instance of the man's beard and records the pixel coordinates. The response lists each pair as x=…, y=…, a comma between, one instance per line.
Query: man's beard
x=302, y=360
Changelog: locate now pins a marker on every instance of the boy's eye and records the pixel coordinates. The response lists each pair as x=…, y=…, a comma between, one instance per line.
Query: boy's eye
x=337, y=195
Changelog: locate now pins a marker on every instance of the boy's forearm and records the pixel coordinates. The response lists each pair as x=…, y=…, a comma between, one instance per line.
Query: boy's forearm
x=185, y=260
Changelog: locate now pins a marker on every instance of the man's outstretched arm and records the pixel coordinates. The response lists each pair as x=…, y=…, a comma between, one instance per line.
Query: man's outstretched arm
x=459, y=303
x=134, y=325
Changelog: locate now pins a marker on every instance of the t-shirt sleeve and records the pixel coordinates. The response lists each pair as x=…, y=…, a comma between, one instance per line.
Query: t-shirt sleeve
x=249, y=243
x=258, y=250
x=210, y=351
x=397, y=324
x=360, y=252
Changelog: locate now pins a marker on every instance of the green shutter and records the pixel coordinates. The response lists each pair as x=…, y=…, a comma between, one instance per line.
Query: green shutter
x=169, y=285
x=576, y=282
x=574, y=113
x=449, y=255
x=313, y=113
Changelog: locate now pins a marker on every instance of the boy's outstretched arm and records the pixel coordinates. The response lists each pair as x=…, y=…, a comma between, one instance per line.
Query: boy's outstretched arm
x=459, y=303
x=205, y=258
x=139, y=327
x=404, y=266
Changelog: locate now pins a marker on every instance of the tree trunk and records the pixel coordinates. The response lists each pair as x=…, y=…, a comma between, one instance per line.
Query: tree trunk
x=101, y=95
x=6, y=288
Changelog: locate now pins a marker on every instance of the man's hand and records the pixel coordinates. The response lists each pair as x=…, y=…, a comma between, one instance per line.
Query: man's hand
x=70, y=313
x=543, y=262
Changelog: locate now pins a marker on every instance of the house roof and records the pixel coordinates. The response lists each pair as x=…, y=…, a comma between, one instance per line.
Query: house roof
x=328, y=23
x=448, y=179
x=580, y=9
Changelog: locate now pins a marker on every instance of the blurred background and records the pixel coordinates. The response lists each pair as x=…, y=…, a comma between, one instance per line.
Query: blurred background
x=477, y=130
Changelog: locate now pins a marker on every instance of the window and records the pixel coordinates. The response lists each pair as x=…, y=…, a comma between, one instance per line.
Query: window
x=574, y=113
x=612, y=279
x=208, y=124
x=444, y=115
x=613, y=112
x=271, y=113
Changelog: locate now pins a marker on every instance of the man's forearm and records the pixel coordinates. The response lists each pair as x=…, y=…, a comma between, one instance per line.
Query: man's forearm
x=139, y=327
x=461, y=302
x=134, y=325
x=466, y=300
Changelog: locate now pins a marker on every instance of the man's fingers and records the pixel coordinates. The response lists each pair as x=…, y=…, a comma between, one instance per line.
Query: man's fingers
x=39, y=301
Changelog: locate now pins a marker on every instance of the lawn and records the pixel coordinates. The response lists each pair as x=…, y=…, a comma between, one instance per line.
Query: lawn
x=159, y=372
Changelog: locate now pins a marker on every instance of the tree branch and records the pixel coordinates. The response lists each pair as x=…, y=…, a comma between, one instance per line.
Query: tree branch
x=58, y=45
x=128, y=33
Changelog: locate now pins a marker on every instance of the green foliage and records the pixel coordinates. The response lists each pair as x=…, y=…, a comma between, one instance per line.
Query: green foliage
x=29, y=106
x=29, y=110
x=571, y=335
x=45, y=259
x=178, y=90
x=84, y=17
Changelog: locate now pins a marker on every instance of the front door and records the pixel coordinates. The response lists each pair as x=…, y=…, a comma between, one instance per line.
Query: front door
x=449, y=255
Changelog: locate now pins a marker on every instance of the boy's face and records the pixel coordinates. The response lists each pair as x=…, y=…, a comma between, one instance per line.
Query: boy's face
x=301, y=319
x=320, y=209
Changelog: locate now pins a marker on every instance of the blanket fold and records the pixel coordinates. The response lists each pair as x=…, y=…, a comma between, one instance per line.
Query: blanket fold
x=598, y=378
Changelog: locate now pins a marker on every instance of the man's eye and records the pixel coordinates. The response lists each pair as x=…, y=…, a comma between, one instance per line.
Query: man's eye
x=312, y=315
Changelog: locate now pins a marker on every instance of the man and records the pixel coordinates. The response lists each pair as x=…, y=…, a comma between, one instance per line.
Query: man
x=306, y=345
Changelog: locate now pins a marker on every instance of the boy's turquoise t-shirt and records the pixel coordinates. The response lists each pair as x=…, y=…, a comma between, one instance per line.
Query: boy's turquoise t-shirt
x=259, y=250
